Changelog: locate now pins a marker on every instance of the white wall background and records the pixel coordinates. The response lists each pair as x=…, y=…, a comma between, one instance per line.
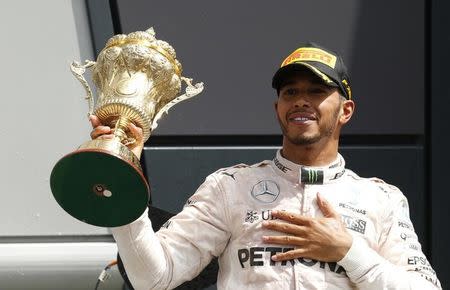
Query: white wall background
x=43, y=113
x=43, y=117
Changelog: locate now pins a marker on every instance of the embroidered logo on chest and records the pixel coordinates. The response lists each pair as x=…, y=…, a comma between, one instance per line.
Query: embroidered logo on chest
x=265, y=191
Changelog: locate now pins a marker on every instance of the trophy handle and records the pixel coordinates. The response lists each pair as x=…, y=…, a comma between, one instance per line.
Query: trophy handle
x=190, y=91
x=78, y=70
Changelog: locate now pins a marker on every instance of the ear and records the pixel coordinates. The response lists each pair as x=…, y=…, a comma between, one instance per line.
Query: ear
x=275, y=105
x=348, y=107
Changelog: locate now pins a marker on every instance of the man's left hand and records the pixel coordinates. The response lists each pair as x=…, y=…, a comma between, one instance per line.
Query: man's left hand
x=324, y=239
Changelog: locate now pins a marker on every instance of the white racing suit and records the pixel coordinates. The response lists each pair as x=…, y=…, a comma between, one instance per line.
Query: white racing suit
x=223, y=219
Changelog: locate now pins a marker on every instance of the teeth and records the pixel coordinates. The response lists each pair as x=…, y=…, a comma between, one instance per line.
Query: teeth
x=301, y=119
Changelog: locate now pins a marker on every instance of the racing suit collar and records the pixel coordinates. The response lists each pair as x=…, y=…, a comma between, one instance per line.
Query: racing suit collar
x=309, y=174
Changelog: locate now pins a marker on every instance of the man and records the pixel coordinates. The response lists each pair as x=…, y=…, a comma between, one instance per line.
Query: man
x=299, y=221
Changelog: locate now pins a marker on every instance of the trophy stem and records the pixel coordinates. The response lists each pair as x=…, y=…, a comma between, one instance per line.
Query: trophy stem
x=121, y=127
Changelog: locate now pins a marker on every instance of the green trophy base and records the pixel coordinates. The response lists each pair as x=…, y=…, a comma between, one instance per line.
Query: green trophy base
x=100, y=187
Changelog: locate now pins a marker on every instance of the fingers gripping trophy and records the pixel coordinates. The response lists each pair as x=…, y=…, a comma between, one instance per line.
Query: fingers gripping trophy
x=138, y=79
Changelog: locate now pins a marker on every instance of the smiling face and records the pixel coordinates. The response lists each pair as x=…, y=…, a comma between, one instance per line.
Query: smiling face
x=308, y=110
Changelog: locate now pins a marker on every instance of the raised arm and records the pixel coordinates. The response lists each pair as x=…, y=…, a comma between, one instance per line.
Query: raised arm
x=182, y=248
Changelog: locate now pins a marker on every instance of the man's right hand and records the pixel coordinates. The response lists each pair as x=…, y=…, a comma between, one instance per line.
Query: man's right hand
x=104, y=132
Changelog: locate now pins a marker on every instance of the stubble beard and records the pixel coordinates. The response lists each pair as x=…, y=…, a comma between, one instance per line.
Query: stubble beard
x=301, y=139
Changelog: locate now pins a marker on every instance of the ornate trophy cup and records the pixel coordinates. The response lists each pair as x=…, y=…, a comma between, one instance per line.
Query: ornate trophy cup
x=138, y=79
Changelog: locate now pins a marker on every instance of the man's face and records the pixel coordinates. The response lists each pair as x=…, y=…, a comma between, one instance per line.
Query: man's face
x=307, y=109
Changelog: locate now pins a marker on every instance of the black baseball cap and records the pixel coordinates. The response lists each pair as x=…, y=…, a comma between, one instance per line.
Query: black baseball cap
x=327, y=65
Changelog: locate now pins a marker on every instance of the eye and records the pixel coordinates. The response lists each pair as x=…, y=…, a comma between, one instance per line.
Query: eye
x=290, y=92
x=317, y=91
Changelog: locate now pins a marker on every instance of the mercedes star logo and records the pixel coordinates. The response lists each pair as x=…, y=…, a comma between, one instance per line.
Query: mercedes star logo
x=266, y=191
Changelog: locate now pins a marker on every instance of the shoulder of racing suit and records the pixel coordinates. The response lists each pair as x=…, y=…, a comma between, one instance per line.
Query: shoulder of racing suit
x=239, y=169
x=375, y=183
x=388, y=195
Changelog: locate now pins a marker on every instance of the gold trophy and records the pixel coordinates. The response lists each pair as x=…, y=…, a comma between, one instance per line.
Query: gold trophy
x=138, y=79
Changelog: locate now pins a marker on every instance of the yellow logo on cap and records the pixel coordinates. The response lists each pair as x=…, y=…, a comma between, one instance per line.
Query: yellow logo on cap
x=347, y=87
x=311, y=54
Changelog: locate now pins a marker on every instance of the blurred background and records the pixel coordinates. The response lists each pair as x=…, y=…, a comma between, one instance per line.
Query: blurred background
x=395, y=51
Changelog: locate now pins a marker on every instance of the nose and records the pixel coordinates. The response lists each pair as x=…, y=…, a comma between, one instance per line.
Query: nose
x=302, y=101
